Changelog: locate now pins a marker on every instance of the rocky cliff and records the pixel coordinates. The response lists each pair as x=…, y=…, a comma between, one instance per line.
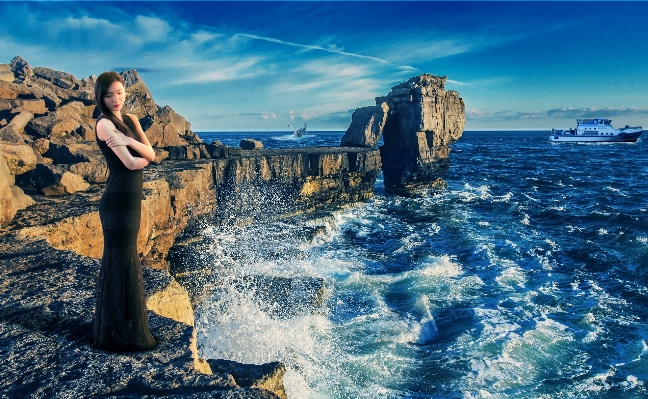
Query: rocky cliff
x=418, y=120
x=51, y=180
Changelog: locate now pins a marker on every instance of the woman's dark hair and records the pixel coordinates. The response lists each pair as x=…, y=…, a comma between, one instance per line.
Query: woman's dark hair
x=101, y=87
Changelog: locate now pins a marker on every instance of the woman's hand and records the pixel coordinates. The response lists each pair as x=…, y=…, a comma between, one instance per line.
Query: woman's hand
x=118, y=139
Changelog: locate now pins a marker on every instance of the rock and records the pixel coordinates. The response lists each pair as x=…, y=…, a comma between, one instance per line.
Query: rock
x=7, y=205
x=6, y=74
x=41, y=145
x=66, y=153
x=10, y=90
x=64, y=127
x=46, y=307
x=21, y=200
x=183, y=152
x=139, y=100
x=268, y=376
x=93, y=172
x=40, y=126
x=20, y=121
x=57, y=180
x=21, y=69
x=20, y=158
x=366, y=126
x=60, y=79
x=251, y=144
x=424, y=119
x=37, y=107
x=11, y=134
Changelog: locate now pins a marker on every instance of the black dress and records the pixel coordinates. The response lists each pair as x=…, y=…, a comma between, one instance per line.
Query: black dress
x=121, y=321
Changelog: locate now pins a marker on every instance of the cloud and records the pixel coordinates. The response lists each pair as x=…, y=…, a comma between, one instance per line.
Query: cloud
x=562, y=113
x=152, y=29
x=329, y=49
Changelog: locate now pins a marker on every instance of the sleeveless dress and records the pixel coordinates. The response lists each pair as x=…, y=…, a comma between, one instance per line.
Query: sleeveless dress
x=121, y=321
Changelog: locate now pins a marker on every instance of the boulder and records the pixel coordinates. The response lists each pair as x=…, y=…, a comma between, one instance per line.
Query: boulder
x=20, y=158
x=57, y=180
x=20, y=199
x=21, y=69
x=41, y=126
x=93, y=172
x=10, y=90
x=7, y=206
x=251, y=144
x=139, y=100
x=11, y=134
x=6, y=74
x=41, y=145
x=366, y=126
x=37, y=107
x=267, y=376
x=60, y=79
x=67, y=153
x=20, y=121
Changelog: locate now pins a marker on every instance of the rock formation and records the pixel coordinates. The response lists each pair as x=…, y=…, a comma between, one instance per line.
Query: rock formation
x=421, y=119
x=51, y=181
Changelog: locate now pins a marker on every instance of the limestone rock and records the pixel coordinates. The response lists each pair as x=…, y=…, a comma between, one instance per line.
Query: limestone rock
x=21, y=200
x=21, y=120
x=267, y=376
x=41, y=145
x=251, y=144
x=37, y=107
x=7, y=206
x=11, y=134
x=423, y=105
x=60, y=79
x=10, y=90
x=57, y=180
x=424, y=119
x=67, y=153
x=139, y=100
x=6, y=74
x=20, y=158
x=93, y=172
x=366, y=126
x=21, y=69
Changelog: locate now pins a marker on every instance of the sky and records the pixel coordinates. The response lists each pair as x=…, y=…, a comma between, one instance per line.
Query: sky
x=260, y=66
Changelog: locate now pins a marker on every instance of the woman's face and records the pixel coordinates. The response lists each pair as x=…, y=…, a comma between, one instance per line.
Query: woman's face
x=115, y=96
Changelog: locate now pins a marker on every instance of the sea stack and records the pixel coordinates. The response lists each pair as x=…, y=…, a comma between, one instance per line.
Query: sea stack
x=418, y=120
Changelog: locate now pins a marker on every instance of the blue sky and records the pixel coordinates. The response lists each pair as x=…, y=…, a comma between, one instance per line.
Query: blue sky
x=229, y=66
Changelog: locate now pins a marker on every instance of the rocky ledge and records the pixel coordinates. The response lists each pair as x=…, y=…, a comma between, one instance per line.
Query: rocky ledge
x=51, y=180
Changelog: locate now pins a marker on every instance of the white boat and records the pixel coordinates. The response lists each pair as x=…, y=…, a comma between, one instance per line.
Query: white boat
x=595, y=131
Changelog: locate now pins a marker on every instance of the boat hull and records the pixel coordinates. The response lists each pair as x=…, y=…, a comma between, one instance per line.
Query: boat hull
x=626, y=137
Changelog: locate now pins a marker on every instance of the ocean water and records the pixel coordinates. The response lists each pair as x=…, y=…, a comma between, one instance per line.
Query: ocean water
x=526, y=278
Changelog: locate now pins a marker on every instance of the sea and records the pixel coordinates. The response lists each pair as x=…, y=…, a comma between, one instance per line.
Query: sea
x=527, y=277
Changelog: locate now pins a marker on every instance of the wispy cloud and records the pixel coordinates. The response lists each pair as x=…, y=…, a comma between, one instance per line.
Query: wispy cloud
x=563, y=113
x=330, y=49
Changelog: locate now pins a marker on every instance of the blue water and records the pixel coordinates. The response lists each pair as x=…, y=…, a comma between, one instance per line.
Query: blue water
x=526, y=278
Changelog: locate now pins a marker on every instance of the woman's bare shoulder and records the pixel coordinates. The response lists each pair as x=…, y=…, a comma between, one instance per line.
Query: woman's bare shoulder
x=104, y=127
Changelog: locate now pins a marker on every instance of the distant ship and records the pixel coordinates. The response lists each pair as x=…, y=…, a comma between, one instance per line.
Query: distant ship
x=299, y=132
x=595, y=131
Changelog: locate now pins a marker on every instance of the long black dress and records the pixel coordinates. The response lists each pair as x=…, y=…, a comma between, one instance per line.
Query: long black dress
x=121, y=322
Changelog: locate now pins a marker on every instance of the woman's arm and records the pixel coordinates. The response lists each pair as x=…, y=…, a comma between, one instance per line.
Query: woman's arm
x=116, y=140
x=143, y=147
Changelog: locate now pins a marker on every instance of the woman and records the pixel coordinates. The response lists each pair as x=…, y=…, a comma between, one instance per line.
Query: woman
x=121, y=321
